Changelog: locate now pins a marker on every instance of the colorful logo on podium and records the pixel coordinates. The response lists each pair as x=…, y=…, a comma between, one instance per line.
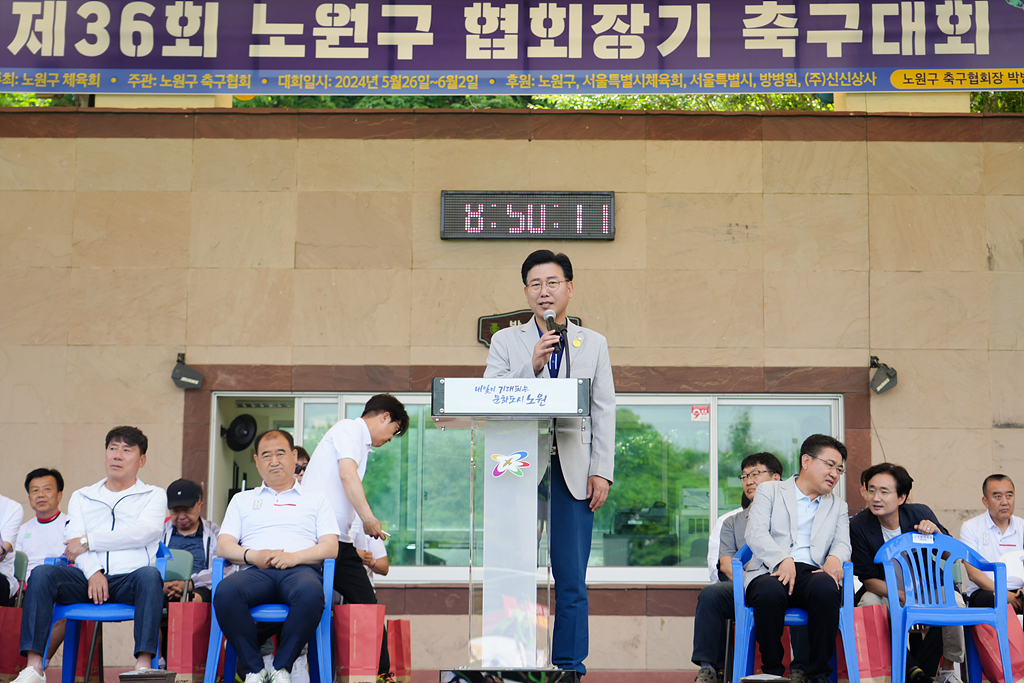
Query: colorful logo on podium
x=514, y=463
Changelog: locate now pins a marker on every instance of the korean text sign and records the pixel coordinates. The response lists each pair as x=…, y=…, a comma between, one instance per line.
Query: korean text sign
x=519, y=48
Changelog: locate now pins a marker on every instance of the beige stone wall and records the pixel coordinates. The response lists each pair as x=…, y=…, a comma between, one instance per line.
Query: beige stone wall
x=118, y=253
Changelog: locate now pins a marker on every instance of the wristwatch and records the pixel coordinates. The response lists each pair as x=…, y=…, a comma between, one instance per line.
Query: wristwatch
x=84, y=540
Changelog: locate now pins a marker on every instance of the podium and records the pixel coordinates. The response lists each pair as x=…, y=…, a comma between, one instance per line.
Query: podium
x=511, y=424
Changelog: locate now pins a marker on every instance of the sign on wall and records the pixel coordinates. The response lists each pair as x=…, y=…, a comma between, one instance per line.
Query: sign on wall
x=431, y=47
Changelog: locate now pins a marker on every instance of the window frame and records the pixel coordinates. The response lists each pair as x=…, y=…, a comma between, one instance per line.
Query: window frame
x=433, y=575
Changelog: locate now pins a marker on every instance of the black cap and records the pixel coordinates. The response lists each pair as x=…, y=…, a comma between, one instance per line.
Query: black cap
x=183, y=493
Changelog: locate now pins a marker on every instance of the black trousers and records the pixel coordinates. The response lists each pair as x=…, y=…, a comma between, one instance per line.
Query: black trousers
x=982, y=598
x=818, y=594
x=351, y=581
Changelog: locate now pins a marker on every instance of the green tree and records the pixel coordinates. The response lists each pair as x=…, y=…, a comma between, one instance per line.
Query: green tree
x=1001, y=102
x=759, y=102
x=386, y=102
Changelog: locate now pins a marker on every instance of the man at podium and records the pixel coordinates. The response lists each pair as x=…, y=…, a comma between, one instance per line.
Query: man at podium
x=583, y=449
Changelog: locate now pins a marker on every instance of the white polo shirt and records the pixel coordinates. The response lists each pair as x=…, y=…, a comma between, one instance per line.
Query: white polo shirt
x=41, y=540
x=11, y=514
x=349, y=439
x=982, y=534
x=363, y=542
x=292, y=520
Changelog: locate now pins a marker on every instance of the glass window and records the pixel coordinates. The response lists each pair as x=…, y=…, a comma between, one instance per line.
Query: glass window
x=676, y=470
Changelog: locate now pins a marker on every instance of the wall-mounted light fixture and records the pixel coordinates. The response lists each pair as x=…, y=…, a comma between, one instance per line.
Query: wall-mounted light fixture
x=184, y=376
x=884, y=378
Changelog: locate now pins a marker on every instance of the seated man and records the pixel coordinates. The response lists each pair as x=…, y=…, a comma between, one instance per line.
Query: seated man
x=280, y=536
x=791, y=567
x=43, y=535
x=188, y=530
x=301, y=462
x=886, y=488
x=11, y=514
x=993, y=534
x=714, y=604
x=113, y=554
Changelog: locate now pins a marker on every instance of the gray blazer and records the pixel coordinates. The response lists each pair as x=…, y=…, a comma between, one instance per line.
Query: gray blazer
x=772, y=526
x=586, y=446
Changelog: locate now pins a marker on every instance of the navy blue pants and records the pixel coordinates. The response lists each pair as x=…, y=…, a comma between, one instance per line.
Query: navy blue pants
x=572, y=525
x=50, y=585
x=818, y=594
x=301, y=588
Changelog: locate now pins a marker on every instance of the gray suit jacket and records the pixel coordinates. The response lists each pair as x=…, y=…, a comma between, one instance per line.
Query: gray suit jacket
x=772, y=526
x=586, y=446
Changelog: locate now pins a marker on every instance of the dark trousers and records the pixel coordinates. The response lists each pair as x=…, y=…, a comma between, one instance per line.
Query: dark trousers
x=982, y=598
x=52, y=585
x=6, y=599
x=301, y=588
x=714, y=609
x=818, y=594
x=571, y=529
x=351, y=581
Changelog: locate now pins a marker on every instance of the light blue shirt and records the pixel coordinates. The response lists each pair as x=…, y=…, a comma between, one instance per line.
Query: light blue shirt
x=805, y=511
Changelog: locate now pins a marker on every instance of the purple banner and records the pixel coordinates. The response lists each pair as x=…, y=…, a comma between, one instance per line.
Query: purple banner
x=519, y=48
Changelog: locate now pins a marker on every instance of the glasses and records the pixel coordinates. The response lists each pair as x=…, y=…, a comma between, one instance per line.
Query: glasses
x=752, y=474
x=550, y=285
x=838, y=468
x=884, y=493
x=299, y=469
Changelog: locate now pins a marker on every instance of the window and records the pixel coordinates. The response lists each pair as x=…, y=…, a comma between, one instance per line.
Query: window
x=676, y=470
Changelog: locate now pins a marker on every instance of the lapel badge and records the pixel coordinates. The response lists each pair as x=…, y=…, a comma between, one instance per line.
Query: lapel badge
x=577, y=342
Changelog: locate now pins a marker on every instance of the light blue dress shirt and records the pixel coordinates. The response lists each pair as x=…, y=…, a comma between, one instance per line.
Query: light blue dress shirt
x=805, y=511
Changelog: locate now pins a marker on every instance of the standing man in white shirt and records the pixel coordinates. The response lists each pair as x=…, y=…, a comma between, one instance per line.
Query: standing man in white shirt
x=279, y=535
x=11, y=514
x=994, y=533
x=337, y=468
x=114, y=554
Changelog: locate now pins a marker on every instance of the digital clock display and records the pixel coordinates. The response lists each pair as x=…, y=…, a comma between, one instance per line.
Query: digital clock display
x=528, y=215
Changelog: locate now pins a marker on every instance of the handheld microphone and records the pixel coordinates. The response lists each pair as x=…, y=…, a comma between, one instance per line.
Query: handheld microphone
x=549, y=318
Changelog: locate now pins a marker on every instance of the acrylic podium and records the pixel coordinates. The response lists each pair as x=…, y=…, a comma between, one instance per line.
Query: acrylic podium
x=510, y=423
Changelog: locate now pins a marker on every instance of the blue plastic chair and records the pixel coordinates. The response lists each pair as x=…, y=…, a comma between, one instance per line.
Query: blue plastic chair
x=930, y=600
x=743, y=656
x=78, y=612
x=319, y=644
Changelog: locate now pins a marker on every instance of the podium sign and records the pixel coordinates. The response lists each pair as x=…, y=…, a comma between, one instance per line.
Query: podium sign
x=531, y=398
x=510, y=422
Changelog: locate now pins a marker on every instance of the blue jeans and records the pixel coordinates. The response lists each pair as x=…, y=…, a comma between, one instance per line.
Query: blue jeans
x=572, y=525
x=301, y=588
x=50, y=585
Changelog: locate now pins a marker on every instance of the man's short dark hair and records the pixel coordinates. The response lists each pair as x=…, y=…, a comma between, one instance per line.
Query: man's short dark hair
x=287, y=437
x=904, y=482
x=301, y=453
x=44, y=472
x=816, y=443
x=766, y=459
x=542, y=256
x=129, y=436
x=386, y=403
x=994, y=477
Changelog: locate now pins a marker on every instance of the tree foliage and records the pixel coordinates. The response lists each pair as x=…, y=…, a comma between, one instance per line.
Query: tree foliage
x=761, y=102
x=981, y=102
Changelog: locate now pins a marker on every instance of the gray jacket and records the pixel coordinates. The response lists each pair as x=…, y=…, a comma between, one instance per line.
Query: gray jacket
x=772, y=527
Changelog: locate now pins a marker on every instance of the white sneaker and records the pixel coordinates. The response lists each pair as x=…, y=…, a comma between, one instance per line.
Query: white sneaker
x=29, y=675
x=279, y=676
x=948, y=676
x=300, y=670
x=256, y=677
